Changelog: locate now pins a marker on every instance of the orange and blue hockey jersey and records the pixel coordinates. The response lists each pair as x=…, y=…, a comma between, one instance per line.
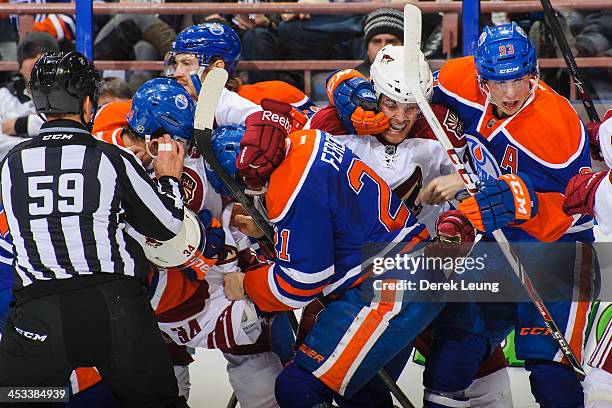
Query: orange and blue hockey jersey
x=545, y=139
x=325, y=203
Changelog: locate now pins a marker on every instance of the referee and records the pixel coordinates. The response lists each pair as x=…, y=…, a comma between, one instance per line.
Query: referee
x=80, y=300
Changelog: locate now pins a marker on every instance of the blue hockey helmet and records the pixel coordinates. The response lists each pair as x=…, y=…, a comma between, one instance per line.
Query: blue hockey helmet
x=207, y=41
x=505, y=53
x=162, y=103
x=226, y=147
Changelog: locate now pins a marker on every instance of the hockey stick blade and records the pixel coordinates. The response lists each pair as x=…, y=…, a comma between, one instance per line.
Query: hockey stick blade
x=572, y=67
x=203, y=128
x=411, y=52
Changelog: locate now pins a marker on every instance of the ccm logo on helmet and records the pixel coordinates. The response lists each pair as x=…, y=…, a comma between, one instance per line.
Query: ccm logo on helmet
x=274, y=117
x=508, y=70
x=32, y=336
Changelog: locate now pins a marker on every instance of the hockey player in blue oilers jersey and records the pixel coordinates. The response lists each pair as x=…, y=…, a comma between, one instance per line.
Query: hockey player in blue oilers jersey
x=526, y=142
x=325, y=203
x=407, y=155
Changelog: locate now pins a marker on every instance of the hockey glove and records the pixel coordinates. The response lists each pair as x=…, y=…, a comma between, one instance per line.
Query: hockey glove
x=510, y=198
x=452, y=226
x=455, y=236
x=262, y=147
x=215, y=236
x=594, y=140
x=580, y=193
x=355, y=101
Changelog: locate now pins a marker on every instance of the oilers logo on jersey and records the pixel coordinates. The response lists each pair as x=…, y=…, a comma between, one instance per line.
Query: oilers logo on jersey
x=484, y=162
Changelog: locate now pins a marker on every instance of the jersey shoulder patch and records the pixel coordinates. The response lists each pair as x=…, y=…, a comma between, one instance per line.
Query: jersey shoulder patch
x=193, y=189
x=548, y=128
x=451, y=124
x=458, y=77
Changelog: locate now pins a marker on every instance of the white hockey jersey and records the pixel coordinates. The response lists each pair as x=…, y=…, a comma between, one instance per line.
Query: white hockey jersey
x=603, y=195
x=406, y=167
x=233, y=109
x=198, y=314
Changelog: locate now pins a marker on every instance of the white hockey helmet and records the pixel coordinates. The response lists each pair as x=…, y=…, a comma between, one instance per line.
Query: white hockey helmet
x=180, y=250
x=387, y=72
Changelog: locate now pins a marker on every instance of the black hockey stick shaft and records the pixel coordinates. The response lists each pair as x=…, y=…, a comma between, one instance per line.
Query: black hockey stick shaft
x=583, y=93
x=204, y=144
x=395, y=389
x=208, y=99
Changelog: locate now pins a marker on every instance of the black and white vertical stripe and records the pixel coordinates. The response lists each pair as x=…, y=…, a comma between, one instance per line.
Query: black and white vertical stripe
x=68, y=198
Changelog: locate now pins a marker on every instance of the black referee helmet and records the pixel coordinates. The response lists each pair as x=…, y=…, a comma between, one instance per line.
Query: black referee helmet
x=61, y=81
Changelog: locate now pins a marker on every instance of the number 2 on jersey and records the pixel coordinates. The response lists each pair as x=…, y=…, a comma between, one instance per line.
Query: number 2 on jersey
x=358, y=173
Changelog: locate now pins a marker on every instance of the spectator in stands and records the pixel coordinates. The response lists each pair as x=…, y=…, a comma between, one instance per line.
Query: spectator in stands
x=594, y=39
x=114, y=90
x=8, y=43
x=134, y=37
x=62, y=27
x=17, y=113
x=381, y=27
x=300, y=36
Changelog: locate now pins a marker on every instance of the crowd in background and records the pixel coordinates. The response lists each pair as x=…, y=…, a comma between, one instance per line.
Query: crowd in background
x=296, y=37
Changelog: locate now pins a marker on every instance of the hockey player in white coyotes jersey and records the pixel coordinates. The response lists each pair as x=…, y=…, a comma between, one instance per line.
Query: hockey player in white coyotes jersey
x=400, y=146
x=591, y=193
x=403, y=150
x=187, y=293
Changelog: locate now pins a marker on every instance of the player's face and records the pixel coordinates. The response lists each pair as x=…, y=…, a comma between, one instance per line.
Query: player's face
x=509, y=96
x=184, y=66
x=401, y=118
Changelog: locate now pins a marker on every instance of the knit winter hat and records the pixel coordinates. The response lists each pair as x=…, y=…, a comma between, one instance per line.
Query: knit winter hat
x=35, y=43
x=384, y=21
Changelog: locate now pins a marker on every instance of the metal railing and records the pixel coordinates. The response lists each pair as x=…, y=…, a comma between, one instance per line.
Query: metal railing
x=450, y=26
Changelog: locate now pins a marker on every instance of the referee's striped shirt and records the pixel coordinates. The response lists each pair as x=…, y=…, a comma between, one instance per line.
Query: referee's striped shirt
x=68, y=198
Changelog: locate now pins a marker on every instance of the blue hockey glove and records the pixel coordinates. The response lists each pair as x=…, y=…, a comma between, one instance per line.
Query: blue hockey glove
x=510, y=198
x=355, y=101
x=215, y=236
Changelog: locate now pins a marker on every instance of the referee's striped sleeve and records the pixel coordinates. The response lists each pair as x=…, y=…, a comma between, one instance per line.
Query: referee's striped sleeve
x=154, y=209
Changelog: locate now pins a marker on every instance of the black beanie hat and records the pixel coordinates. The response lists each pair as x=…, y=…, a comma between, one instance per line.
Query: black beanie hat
x=384, y=21
x=35, y=43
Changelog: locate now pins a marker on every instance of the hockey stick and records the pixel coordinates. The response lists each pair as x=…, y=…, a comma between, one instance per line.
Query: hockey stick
x=553, y=22
x=203, y=128
x=208, y=98
x=412, y=46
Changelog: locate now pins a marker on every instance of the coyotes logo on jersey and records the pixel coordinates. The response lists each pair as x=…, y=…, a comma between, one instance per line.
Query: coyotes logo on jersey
x=192, y=188
x=453, y=124
x=408, y=190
